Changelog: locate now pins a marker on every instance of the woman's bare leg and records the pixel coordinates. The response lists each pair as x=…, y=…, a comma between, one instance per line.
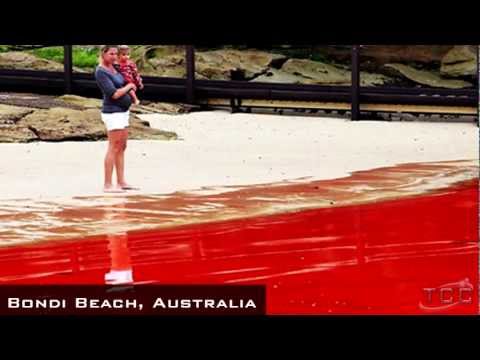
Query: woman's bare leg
x=114, y=142
x=120, y=160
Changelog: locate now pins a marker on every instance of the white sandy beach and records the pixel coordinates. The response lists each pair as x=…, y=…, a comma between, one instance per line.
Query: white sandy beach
x=219, y=149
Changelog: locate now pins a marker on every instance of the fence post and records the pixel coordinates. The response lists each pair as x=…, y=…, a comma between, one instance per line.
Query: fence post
x=190, y=86
x=355, y=100
x=68, y=67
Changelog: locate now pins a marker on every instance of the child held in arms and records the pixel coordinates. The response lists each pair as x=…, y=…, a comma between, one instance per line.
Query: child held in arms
x=129, y=71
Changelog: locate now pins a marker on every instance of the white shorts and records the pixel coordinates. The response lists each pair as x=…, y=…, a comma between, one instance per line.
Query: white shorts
x=116, y=121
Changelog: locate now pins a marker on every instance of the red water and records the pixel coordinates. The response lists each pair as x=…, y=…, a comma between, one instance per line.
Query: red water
x=376, y=258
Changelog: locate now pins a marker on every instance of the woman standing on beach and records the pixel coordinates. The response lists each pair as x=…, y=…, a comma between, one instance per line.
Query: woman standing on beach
x=115, y=115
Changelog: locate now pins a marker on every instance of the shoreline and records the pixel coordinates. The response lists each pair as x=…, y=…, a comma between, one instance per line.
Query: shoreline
x=32, y=222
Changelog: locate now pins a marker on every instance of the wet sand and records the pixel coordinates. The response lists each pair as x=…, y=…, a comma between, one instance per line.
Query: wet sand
x=25, y=221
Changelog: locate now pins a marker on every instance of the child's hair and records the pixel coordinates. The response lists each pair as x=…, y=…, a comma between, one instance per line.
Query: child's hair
x=123, y=49
x=104, y=49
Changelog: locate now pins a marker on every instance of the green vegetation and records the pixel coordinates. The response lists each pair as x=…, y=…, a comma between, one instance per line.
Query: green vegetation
x=82, y=58
x=50, y=53
x=85, y=58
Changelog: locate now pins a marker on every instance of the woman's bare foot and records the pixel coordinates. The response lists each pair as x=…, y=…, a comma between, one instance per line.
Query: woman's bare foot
x=111, y=189
x=137, y=102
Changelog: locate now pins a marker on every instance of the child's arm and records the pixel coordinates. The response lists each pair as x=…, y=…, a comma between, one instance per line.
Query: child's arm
x=136, y=75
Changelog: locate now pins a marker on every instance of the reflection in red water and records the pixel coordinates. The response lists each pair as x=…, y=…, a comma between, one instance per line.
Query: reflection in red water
x=121, y=271
x=406, y=256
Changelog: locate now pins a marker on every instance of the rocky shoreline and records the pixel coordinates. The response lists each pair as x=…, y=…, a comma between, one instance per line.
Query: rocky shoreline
x=32, y=117
x=436, y=66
